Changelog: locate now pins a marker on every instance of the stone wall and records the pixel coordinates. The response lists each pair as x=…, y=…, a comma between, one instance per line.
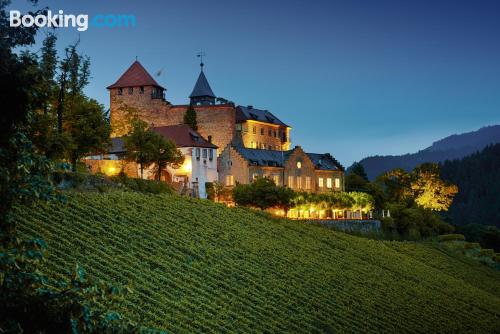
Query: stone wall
x=215, y=121
x=232, y=163
x=356, y=226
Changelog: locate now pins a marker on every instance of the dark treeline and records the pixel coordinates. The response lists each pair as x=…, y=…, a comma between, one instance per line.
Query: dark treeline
x=476, y=208
x=478, y=179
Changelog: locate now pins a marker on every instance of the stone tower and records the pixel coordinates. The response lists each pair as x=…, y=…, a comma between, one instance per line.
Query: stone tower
x=134, y=90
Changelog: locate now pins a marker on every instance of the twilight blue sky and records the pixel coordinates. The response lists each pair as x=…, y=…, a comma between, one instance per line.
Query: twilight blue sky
x=354, y=78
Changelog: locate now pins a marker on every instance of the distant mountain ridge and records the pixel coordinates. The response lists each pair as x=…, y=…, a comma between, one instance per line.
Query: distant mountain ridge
x=452, y=147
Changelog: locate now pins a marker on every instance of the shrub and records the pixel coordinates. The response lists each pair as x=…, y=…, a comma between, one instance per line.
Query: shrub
x=487, y=252
x=141, y=185
x=451, y=237
x=388, y=224
x=471, y=245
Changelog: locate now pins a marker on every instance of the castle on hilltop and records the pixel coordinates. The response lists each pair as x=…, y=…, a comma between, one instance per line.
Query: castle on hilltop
x=233, y=144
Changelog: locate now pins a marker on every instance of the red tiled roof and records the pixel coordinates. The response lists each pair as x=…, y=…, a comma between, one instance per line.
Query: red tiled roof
x=136, y=75
x=183, y=136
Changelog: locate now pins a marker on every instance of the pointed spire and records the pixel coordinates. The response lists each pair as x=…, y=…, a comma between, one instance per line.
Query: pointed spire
x=202, y=93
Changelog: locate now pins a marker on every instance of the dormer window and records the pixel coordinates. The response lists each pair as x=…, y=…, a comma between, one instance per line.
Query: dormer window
x=130, y=90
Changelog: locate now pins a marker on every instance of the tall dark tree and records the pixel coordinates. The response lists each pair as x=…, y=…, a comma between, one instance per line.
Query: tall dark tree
x=190, y=118
x=359, y=170
x=87, y=129
x=478, y=179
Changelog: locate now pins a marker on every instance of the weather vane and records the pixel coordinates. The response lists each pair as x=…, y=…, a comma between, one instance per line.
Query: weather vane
x=200, y=55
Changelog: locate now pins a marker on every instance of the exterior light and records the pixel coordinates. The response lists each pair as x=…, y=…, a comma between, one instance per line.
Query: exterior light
x=187, y=166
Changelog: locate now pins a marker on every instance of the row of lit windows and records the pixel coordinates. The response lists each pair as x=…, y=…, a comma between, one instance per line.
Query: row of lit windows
x=204, y=153
x=270, y=132
x=263, y=146
x=296, y=181
x=321, y=182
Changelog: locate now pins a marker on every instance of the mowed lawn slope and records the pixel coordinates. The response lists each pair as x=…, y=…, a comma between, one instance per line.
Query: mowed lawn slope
x=195, y=266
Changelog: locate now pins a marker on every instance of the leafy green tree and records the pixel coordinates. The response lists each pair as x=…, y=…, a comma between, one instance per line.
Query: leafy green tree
x=263, y=194
x=190, y=118
x=164, y=152
x=397, y=185
x=284, y=198
x=139, y=144
x=87, y=128
x=430, y=192
x=356, y=178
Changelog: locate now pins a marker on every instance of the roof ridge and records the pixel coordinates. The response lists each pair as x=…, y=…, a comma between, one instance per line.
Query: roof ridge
x=135, y=75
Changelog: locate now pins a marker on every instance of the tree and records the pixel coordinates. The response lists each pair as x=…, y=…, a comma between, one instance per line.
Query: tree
x=190, y=118
x=87, y=128
x=164, y=152
x=359, y=170
x=430, y=192
x=263, y=194
x=397, y=185
x=284, y=198
x=139, y=144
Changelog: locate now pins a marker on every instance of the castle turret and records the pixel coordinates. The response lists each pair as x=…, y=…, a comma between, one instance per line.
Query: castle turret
x=202, y=93
x=134, y=90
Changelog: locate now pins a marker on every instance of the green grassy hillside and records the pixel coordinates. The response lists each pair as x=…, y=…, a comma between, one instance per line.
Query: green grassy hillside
x=196, y=266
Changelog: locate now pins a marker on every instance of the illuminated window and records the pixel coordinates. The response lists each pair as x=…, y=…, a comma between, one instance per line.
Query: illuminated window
x=299, y=164
x=308, y=182
x=320, y=182
x=299, y=182
x=254, y=145
x=263, y=146
x=290, y=181
x=329, y=182
x=337, y=182
x=276, y=179
x=229, y=180
x=255, y=176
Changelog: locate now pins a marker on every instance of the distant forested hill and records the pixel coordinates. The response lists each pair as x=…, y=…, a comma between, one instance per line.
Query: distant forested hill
x=478, y=179
x=449, y=148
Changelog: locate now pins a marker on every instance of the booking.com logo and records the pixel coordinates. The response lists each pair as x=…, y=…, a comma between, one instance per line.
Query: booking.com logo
x=80, y=21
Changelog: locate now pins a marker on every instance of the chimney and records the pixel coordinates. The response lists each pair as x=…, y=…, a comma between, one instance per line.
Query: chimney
x=209, y=139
